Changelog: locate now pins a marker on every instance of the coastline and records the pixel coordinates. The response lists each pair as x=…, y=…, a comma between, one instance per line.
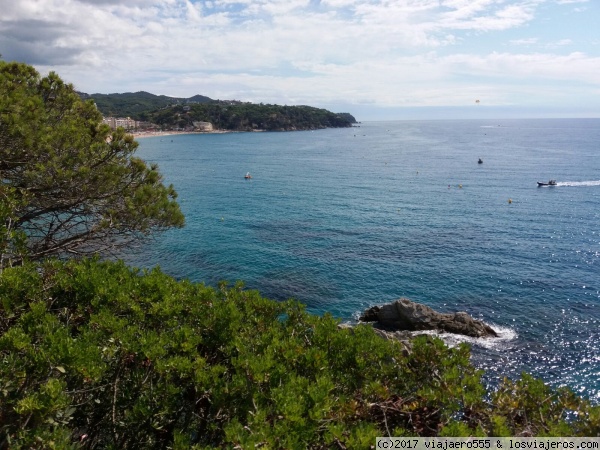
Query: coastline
x=144, y=134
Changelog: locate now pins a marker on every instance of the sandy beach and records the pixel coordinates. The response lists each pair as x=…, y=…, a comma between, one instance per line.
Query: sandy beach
x=143, y=134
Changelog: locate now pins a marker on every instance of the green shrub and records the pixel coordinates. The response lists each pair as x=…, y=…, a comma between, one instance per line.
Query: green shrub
x=98, y=355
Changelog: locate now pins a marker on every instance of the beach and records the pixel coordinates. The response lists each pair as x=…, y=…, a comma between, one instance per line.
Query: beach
x=143, y=134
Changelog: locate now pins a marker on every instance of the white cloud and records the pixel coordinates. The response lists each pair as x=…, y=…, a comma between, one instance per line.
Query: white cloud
x=527, y=41
x=540, y=66
x=402, y=52
x=339, y=3
x=569, y=2
x=486, y=15
x=561, y=43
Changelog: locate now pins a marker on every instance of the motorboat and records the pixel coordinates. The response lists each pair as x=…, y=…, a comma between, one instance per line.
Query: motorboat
x=549, y=183
x=247, y=176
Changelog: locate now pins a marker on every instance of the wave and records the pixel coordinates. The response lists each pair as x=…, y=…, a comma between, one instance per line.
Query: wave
x=505, y=334
x=578, y=183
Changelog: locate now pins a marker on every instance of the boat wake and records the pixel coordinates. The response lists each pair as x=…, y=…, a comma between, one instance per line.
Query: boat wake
x=578, y=183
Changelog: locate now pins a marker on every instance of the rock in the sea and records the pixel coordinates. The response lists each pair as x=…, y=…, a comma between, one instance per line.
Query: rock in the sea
x=404, y=314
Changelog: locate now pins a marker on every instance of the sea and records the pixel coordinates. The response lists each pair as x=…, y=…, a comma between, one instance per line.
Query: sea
x=343, y=219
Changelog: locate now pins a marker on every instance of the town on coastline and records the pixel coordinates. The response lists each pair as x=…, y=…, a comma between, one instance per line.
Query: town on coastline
x=143, y=113
x=141, y=128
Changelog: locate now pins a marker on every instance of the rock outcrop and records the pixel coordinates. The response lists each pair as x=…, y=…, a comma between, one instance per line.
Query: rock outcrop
x=406, y=315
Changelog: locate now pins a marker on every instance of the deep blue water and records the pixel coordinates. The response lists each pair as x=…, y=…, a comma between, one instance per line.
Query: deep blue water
x=342, y=219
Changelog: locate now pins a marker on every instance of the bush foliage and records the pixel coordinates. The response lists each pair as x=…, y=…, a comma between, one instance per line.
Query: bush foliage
x=98, y=355
x=240, y=116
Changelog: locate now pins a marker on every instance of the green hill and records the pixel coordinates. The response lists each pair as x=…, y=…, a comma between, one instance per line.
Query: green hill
x=137, y=104
x=238, y=116
x=181, y=113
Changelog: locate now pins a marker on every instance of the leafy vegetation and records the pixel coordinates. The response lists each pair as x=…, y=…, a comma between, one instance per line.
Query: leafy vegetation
x=137, y=105
x=68, y=184
x=171, y=112
x=249, y=116
x=98, y=355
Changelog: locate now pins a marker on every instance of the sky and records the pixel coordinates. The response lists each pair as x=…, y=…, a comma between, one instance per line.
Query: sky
x=376, y=59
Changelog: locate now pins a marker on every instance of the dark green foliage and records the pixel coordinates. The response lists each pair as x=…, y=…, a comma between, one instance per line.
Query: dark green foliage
x=171, y=112
x=347, y=116
x=240, y=116
x=97, y=355
x=137, y=104
x=68, y=184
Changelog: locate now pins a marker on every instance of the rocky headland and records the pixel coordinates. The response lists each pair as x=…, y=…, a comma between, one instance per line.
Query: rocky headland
x=402, y=316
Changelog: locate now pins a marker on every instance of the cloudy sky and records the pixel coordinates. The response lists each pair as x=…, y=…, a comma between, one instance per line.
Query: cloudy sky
x=378, y=59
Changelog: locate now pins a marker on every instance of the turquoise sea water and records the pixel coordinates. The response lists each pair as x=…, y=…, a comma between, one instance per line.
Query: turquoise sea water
x=342, y=219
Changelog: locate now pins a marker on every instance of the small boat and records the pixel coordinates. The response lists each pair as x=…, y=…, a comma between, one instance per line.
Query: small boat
x=247, y=176
x=480, y=161
x=549, y=183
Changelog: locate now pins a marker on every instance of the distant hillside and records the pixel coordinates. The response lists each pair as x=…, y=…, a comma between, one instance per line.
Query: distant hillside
x=182, y=113
x=137, y=104
x=239, y=116
x=347, y=116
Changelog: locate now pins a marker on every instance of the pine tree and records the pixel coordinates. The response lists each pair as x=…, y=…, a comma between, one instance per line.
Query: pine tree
x=68, y=183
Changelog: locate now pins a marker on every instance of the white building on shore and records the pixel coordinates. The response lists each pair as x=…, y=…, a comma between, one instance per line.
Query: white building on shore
x=203, y=126
x=125, y=122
